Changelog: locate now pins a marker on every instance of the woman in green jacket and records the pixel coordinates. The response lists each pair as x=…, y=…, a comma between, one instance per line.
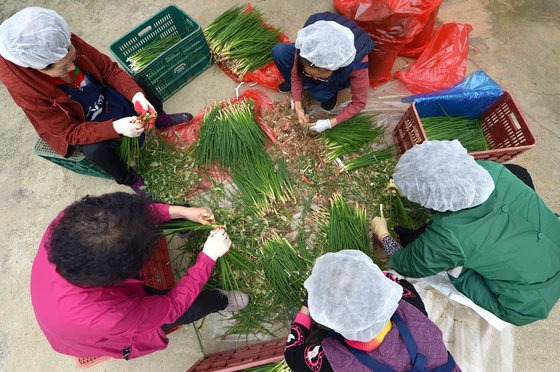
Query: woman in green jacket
x=491, y=232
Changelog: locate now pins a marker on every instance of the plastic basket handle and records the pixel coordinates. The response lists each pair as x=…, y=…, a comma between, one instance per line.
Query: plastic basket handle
x=146, y=30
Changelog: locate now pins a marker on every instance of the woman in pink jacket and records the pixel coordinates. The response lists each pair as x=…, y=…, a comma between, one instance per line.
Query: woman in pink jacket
x=85, y=289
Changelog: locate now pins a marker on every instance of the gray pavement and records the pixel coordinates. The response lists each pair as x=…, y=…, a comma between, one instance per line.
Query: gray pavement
x=517, y=42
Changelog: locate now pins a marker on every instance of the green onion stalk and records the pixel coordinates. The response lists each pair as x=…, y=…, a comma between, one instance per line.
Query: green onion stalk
x=369, y=158
x=348, y=227
x=350, y=136
x=129, y=150
x=285, y=270
x=239, y=39
x=468, y=131
x=150, y=52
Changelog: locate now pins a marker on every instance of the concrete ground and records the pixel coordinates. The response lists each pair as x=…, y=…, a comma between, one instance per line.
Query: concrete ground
x=517, y=42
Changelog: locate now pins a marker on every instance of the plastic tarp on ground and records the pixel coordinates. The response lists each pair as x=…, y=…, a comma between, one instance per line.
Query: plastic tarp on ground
x=385, y=102
x=477, y=339
x=470, y=98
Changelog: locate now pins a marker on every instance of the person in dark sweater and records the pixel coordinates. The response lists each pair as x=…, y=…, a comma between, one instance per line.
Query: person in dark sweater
x=330, y=54
x=74, y=95
x=377, y=321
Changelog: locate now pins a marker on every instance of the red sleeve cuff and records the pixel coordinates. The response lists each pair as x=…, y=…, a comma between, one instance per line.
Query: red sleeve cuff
x=303, y=319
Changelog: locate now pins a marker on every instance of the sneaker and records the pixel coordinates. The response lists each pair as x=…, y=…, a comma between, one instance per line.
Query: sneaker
x=165, y=121
x=329, y=104
x=284, y=87
x=139, y=187
x=237, y=300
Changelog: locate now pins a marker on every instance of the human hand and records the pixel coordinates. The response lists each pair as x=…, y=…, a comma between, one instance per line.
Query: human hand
x=379, y=227
x=303, y=118
x=321, y=126
x=204, y=216
x=304, y=310
x=128, y=127
x=217, y=244
x=147, y=113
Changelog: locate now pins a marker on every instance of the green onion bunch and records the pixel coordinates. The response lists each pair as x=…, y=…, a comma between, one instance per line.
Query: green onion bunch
x=148, y=53
x=402, y=216
x=179, y=225
x=347, y=227
x=129, y=150
x=285, y=270
x=270, y=367
x=240, y=41
x=231, y=137
x=369, y=158
x=467, y=131
x=350, y=136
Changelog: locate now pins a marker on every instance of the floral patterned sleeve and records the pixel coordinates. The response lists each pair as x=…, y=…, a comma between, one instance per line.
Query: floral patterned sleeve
x=390, y=245
x=301, y=356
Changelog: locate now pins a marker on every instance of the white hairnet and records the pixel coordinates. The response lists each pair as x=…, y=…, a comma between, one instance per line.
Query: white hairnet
x=440, y=175
x=34, y=37
x=347, y=292
x=326, y=44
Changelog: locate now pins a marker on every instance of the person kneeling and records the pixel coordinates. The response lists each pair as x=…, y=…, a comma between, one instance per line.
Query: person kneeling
x=378, y=322
x=85, y=290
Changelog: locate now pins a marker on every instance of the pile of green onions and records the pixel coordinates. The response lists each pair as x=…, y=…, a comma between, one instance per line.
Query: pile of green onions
x=369, y=158
x=348, y=227
x=240, y=41
x=231, y=137
x=284, y=270
x=467, y=131
x=148, y=53
x=350, y=136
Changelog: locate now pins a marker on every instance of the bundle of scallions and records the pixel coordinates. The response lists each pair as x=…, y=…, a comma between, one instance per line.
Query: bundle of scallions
x=129, y=150
x=369, y=158
x=231, y=137
x=148, y=53
x=467, y=131
x=239, y=40
x=347, y=227
x=350, y=136
x=271, y=367
x=285, y=270
x=180, y=225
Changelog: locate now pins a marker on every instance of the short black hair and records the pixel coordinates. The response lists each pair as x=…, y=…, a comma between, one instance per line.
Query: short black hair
x=103, y=240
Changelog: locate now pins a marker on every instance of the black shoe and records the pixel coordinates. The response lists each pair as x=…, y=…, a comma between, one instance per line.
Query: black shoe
x=329, y=104
x=284, y=87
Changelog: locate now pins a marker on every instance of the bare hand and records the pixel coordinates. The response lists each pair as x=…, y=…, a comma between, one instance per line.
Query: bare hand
x=303, y=118
x=204, y=216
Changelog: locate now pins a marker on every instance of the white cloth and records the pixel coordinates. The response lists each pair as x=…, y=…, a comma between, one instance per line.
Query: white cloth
x=348, y=293
x=34, y=37
x=326, y=44
x=442, y=176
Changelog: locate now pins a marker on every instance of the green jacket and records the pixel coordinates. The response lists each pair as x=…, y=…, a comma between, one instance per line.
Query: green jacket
x=509, y=247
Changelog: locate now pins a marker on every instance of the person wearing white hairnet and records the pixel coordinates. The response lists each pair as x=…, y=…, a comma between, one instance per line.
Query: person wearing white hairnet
x=75, y=96
x=491, y=232
x=330, y=54
x=377, y=321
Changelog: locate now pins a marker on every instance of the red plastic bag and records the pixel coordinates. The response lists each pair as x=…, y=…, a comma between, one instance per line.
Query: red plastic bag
x=443, y=63
x=267, y=76
x=421, y=40
x=392, y=24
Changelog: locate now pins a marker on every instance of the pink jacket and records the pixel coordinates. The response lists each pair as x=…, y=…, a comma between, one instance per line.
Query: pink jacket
x=103, y=321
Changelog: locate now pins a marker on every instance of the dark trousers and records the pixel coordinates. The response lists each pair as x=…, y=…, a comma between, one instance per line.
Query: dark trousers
x=105, y=154
x=283, y=56
x=407, y=236
x=207, y=302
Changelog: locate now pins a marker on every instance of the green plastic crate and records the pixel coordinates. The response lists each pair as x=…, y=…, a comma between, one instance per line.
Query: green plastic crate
x=77, y=162
x=172, y=70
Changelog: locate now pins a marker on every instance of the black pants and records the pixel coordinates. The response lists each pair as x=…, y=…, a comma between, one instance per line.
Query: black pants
x=207, y=302
x=105, y=154
x=407, y=236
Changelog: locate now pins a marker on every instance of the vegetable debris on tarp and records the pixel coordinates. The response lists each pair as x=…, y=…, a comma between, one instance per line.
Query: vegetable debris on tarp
x=302, y=208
